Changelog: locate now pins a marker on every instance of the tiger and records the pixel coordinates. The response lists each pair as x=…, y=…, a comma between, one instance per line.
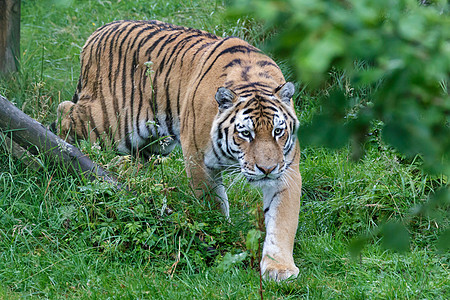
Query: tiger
x=147, y=86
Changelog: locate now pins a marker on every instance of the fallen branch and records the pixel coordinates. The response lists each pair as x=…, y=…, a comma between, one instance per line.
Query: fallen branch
x=20, y=153
x=36, y=138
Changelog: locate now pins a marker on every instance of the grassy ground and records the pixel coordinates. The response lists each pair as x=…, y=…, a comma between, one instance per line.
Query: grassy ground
x=62, y=238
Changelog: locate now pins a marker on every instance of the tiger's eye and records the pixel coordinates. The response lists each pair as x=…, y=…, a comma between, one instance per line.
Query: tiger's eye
x=278, y=131
x=245, y=133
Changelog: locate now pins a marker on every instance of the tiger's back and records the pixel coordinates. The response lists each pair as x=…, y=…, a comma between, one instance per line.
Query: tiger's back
x=223, y=100
x=143, y=80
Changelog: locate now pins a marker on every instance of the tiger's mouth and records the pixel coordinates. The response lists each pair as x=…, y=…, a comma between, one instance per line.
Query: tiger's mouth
x=263, y=182
x=263, y=174
x=262, y=178
x=252, y=178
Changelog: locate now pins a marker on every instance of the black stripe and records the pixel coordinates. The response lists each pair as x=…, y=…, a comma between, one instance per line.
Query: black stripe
x=112, y=83
x=196, y=42
x=209, y=56
x=271, y=108
x=234, y=62
x=154, y=102
x=148, y=78
x=265, y=75
x=219, y=158
x=168, y=112
x=277, y=88
x=106, y=123
x=237, y=49
x=181, y=68
x=178, y=48
x=271, y=200
x=127, y=135
x=75, y=97
x=200, y=49
x=228, y=153
x=289, y=149
x=170, y=39
x=221, y=154
x=225, y=139
x=263, y=63
x=248, y=111
x=244, y=73
x=228, y=84
x=154, y=45
x=123, y=63
x=286, y=113
x=94, y=125
x=235, y=142
x=123, y=55
x=259, y=85
x=251, y=92
x=229, y=50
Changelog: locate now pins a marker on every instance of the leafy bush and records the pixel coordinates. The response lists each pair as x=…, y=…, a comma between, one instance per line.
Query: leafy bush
x=395, y=53
x=384, y=66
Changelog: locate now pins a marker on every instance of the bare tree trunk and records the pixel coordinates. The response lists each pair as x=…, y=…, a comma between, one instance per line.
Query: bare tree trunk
x=33, y=136
x=9, y=35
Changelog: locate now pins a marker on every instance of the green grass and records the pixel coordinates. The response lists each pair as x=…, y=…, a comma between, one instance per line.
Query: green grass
x=64, y=238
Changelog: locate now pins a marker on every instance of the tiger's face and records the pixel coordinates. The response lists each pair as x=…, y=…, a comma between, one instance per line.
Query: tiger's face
x=262, y=140
x=259, y=132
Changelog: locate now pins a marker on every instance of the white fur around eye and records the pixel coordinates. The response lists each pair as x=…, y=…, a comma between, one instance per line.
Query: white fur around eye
x=244, y=124
x=279, y=122
x=279, y=126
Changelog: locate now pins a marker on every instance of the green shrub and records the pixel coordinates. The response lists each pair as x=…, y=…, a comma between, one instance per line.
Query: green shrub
x=383, y=67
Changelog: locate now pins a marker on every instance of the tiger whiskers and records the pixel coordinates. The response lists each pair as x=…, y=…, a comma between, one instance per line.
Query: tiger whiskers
x=231, y=167
x=287, y=178
x=236, y=178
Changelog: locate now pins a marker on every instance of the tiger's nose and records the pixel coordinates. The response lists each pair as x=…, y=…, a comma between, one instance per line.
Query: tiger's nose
x=266, y=169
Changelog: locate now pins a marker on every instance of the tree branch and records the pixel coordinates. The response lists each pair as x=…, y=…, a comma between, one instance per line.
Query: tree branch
x=33, y=136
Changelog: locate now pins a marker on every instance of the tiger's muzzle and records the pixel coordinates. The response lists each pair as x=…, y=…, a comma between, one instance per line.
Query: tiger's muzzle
x=262, y=173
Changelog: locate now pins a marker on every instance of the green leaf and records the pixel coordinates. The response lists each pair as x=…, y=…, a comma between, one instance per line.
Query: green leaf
x=231, y=259
x=357, y=245
x=439, y=200
x=317, y=53
x=322, y=132
x=395, y=236
x=443, y=243
x=252, y=241
x=328, y=129
x=411, y=26
x=408, y=134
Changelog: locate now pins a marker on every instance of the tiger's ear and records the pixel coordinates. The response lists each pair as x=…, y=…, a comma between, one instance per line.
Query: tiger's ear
x=225, y=98
x=285, y=92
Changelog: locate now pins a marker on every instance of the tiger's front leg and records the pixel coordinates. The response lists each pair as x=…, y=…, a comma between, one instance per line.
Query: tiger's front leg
x=281, y=210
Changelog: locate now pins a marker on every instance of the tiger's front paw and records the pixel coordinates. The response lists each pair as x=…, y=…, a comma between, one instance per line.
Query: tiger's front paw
x=273, y=270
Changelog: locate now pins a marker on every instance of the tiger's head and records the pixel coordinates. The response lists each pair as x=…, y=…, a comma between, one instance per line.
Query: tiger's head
x=257, y=130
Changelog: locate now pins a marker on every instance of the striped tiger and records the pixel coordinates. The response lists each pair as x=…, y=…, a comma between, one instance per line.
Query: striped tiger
x=223, y=100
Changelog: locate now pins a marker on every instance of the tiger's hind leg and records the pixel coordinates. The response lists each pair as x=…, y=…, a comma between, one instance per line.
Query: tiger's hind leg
x=63, y=124
x=73, y=121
